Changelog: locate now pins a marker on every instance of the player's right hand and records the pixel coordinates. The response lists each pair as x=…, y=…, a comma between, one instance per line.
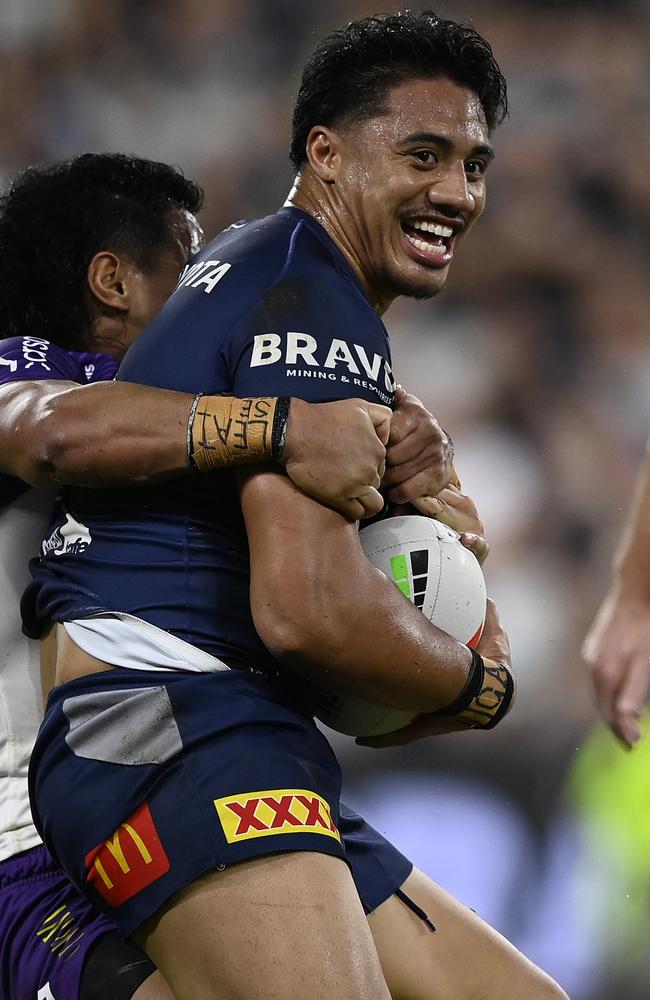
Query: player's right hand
x=494, y=642
x=336, y=453
x=494, y=645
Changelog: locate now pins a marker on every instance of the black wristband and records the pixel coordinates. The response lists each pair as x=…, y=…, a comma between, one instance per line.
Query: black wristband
x=486, y=697
x=279, y=431
x=472, y=687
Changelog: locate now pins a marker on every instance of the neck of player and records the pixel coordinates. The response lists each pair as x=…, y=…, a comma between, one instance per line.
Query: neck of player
x=323, y=202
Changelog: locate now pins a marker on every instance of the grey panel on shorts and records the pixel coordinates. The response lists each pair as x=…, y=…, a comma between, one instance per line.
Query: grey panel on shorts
x=123, y=727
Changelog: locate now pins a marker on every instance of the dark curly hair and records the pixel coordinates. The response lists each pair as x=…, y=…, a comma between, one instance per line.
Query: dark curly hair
x=349, y=73
x=53, y=220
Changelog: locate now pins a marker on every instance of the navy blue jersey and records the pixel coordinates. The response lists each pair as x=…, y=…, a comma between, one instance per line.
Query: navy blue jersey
x=27, y=358
x=270, y=307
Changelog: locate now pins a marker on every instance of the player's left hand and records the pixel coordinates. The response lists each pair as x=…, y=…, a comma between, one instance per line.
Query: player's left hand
x=419, y=453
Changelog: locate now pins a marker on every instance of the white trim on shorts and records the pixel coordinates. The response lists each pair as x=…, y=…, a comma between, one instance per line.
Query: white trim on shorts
x=126, y=641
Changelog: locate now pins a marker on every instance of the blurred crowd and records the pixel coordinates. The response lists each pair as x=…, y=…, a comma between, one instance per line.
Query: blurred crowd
x=536, y=359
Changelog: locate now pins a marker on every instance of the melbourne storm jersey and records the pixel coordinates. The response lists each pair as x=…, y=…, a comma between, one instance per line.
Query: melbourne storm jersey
x=270, y=307
x=24, y=516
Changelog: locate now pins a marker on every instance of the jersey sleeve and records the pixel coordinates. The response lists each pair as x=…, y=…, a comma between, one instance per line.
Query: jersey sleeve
x=27, y=358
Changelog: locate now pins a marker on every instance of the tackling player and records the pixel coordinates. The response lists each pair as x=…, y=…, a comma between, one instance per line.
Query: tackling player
x=185, y=672
x=106, y=237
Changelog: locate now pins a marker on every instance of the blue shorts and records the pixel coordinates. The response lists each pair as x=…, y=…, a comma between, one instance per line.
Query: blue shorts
x=47, y=929
x=141, y=782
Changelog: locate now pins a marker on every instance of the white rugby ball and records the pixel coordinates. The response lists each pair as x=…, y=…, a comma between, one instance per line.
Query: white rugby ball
x=428, y=563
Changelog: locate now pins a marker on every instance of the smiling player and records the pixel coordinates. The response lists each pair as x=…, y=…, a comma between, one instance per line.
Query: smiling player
x=193, y=621
x=108, y=235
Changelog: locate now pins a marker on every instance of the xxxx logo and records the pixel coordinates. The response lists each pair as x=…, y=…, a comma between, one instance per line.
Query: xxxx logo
x=280, y=810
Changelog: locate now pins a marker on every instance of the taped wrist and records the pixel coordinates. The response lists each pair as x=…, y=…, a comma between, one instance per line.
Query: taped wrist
x=224, y=431
x=486, y=697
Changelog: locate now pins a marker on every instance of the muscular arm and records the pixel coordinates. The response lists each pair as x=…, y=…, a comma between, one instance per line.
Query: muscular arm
x=120, y=433
x=617, y=646
x=322, y=609
x=108, y=433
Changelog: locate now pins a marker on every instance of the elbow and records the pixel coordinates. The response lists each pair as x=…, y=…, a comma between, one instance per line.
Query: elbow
x=49, y=455
x=35, y=453
x=294, y=629
x=64, y=443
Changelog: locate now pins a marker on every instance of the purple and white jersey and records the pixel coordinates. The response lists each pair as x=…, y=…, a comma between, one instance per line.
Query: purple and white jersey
x=24, y=516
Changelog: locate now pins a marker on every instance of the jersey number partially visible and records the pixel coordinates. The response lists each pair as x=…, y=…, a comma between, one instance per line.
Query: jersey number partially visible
x=12, y=368
x=45, y=993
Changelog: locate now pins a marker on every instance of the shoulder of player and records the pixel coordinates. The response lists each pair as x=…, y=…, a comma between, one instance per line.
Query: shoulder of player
x=267, y=258
x=317, y=285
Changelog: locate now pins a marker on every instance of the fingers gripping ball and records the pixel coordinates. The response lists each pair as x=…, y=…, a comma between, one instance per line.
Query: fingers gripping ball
x=427, y=562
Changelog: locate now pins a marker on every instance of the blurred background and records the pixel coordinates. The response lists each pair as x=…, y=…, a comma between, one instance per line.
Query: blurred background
x=536, y=359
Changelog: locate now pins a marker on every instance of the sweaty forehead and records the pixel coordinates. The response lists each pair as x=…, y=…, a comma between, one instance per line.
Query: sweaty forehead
x=439, y=106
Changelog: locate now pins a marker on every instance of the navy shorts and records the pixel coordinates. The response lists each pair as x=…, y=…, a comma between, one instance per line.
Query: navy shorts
x=47, y=929
x=141, y=782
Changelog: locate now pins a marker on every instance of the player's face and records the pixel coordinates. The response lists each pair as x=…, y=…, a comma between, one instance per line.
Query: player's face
x=413, y=185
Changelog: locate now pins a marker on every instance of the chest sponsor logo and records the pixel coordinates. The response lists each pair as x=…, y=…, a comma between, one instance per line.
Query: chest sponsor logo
x=279, y=810
x=70, y=538
x=335, y=360
x=128, y=861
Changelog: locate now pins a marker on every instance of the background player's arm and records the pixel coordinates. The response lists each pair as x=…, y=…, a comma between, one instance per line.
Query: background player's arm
x=120, y=433
x=326, y=612
x=108, y=433
x=617, y=646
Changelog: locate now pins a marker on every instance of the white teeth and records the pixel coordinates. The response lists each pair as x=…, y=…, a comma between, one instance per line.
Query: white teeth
x=432, y=248
x=432, y=227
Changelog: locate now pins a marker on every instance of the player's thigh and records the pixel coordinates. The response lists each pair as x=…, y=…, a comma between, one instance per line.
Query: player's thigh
x=463, y=959
x=280, y=927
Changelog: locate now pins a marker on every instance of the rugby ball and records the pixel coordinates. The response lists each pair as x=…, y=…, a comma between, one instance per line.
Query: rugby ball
x=432, y=568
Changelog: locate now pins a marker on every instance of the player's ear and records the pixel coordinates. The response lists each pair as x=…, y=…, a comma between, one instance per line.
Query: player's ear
x=108, y=280
x=324, y=153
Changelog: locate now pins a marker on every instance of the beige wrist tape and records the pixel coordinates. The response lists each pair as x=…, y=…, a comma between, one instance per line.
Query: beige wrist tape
x=492, y=700
x=486, y=697
x=224, y=431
